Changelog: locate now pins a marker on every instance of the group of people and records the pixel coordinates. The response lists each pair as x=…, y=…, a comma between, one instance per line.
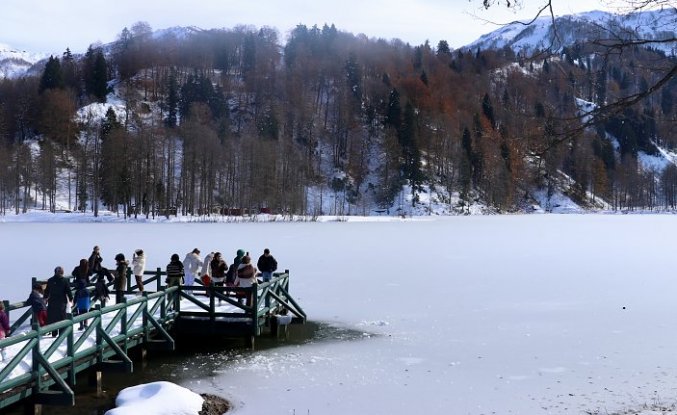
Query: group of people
x=213, y=269
x=51, y=302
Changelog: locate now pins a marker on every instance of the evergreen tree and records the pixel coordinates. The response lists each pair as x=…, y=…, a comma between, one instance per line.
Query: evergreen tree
x=354, y=78
x=443, y=48
x=172, y=100
x=488, y=110
x=96, y=74
x=52, y=77
x=394, y=112
x=411, y=166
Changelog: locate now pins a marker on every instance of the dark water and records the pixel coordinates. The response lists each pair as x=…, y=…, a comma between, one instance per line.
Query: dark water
x=194, y=358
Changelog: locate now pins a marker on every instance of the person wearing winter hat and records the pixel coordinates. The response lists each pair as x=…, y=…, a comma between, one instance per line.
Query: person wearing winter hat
x=174, y=271
x=121, y=265
x=238, y=259
x=191, y=265
x=138, y=267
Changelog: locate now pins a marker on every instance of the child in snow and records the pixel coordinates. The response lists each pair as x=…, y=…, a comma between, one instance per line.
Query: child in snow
x=37, y=302
x=101, y=291
x=82, y=301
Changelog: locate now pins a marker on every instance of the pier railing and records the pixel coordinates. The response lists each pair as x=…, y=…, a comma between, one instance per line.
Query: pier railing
x=42, y=362
x=49, y=357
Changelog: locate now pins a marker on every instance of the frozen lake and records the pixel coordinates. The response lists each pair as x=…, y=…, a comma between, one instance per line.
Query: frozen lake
x=463, y=315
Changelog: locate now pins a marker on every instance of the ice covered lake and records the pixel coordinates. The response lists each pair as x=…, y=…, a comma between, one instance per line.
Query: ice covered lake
x=542, y=314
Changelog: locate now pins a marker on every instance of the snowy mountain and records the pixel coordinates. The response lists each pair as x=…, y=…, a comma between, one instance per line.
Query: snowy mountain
x=15, y=63
x=583, y=27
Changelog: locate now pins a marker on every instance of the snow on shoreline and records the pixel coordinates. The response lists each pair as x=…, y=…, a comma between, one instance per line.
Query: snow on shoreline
x=157, y=398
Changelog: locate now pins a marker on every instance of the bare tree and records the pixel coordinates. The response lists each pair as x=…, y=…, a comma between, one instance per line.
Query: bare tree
x=612, y=41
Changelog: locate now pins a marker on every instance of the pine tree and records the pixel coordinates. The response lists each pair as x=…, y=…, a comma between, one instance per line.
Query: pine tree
x=52, y=77
x=96, y=74
x=394, y=112
x=443, y=48
x=172, y=100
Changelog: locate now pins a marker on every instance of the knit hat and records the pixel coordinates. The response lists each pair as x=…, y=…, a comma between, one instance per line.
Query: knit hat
x=175, y=257
x=120, y=257
x=240, y=252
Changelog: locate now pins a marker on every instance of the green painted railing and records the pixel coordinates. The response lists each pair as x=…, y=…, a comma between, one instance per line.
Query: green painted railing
x=45, y=367
x=40, y=371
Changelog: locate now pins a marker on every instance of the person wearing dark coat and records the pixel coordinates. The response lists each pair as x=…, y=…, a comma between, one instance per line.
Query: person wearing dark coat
x=174, y=271
x=58, y=296
x=218, y=267
x=238, y=257
x=266, y=265
x=95, y=261
x=121, y=265
x=101, y=291
x=37, y=303
x=81, y=272
x=4, y=322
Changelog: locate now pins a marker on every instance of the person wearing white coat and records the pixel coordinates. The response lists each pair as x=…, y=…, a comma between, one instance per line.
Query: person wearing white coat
x=206, y=265
x=138, y=267
x=191, y=265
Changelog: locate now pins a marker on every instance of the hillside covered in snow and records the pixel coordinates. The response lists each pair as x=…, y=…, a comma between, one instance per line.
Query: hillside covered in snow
x=194, y=122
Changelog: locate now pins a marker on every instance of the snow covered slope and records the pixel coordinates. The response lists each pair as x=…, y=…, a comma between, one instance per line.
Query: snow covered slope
x=15, y=63
x=582, y=27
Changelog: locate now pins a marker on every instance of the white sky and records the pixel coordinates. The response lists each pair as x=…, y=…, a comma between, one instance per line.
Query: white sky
x=52, y=25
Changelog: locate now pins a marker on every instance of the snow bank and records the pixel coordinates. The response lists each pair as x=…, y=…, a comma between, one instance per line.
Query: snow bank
x=157, y=398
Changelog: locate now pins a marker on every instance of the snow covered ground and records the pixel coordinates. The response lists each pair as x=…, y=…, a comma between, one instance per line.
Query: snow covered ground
x=530, y=314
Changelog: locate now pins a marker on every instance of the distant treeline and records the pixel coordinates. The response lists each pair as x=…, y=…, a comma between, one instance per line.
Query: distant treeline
x=233, y=119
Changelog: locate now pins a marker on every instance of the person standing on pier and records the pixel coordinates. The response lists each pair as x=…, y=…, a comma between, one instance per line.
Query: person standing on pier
x=175, y=271
x=191, y=265
x=138, y=267
x=95, y=261
x=58, y=296
x=267, y=265
x=218, y=267
x=206, y=272
x=82, y=301
x=101, y=291
x=120, y=277
x=4, y=328
x=4, y=322
x=246, y=276
x=238, y=257
x=81, y=272
x=37, y=303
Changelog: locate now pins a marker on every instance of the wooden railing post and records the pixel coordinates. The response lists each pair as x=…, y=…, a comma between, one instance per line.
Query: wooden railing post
x=159, y=278
x=255, y=306
x=70, y=352
x=123, y=325
x=129, y=280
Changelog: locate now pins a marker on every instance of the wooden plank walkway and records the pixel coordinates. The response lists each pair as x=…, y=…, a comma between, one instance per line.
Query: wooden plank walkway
x=44, y=368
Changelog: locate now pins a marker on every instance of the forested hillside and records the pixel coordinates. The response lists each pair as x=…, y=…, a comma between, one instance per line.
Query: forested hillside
x=189, y=121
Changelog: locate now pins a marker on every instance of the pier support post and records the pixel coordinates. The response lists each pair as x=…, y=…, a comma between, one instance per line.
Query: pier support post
x=31, y=408
x=96, y=379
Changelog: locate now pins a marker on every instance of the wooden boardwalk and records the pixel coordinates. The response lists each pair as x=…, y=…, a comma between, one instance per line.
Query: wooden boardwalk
x=41, y=370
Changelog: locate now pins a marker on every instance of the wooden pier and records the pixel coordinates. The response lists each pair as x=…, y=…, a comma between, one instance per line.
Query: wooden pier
x=41, y=370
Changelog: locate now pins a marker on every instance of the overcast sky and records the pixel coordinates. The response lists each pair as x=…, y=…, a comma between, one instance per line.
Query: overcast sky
x=52, y=25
